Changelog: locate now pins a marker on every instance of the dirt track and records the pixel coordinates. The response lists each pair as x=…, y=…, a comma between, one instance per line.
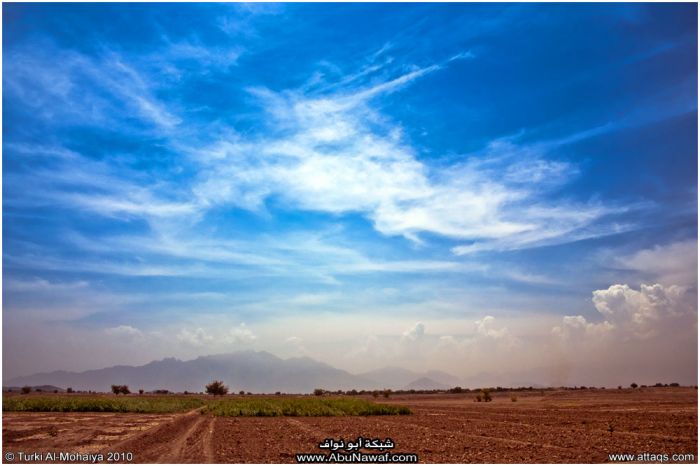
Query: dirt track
x=567, y=426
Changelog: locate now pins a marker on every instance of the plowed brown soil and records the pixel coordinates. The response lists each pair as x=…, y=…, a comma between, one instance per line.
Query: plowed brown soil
x=540, y=427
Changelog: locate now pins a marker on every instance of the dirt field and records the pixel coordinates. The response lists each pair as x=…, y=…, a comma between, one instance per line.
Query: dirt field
x=553, y=427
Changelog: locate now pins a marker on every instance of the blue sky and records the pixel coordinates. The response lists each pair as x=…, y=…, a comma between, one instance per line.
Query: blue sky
x=411, y=184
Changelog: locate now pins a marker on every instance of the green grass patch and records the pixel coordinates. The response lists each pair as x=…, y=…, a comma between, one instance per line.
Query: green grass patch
x=228, y=406
x=102, y=403
x=289, y=406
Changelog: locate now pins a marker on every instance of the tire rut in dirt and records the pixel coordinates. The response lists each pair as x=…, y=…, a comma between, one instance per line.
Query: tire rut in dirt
x=166, y=443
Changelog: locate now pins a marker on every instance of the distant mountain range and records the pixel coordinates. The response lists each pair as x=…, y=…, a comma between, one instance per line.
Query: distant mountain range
x=400, y=378
x=254, y=371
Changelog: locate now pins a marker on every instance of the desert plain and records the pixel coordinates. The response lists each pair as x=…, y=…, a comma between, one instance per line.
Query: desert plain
x=552, y=426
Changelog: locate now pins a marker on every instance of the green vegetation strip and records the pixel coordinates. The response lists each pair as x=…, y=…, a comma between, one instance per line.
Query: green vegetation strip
x=301, y=407
x=106, y=404
x=248, y=406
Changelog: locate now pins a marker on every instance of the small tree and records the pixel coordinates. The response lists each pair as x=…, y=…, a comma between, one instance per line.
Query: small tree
x=633, y=385
x=386, y=393
x=26, y=389
x=319, y=391
x=217, y=387
x=69, y=390
x=140, y=391
x=117, y=389
x=486, y=394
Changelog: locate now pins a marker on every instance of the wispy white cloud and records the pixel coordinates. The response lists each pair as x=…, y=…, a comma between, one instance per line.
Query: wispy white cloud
x=334, y=152
x=67, y=87
x=207, y=58
x=41, y=285
x=104, y=187
x=337, y=153
x=183, y=252
x=667, y=264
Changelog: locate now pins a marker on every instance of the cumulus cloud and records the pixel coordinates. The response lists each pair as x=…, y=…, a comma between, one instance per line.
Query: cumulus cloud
x=485, y=327
x=124, y=331
x=295, y=346
x=370, y=346
x=633, y=314
x=648, y=333
x=576, y=328
x=460, y=346
x=197, y=337
x=641, y=313
x=415, y=333
x=241, y=334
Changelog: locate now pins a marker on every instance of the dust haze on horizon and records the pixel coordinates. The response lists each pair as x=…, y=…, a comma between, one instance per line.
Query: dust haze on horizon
x=426, y=186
